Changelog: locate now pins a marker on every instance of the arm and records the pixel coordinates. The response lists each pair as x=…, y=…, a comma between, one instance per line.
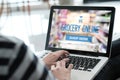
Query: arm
x=25, y=65
x=22, y=64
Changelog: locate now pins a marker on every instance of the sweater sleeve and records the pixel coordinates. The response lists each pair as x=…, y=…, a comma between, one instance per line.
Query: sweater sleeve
x=23, y=64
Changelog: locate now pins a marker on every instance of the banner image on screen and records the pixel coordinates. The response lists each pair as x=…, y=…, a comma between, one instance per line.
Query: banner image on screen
x=85, y=30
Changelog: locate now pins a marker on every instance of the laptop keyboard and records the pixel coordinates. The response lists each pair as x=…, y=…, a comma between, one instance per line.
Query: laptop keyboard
x=82, y=63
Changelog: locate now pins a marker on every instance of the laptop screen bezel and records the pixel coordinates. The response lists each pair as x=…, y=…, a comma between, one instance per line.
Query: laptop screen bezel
x=83, y=8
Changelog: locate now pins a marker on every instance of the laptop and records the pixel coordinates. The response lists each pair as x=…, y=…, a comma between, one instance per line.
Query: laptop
x=85, y=32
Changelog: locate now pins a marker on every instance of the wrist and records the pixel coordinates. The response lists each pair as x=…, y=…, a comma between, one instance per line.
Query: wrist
x=47, y=64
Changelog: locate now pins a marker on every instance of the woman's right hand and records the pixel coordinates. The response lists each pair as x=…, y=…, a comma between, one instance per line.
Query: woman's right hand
x=60, y=71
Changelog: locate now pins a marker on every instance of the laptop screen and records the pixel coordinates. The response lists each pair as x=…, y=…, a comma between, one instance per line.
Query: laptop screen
x=80, y=29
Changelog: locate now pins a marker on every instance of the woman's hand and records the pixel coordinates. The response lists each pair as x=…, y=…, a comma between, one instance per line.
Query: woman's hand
x=51, y=58
x=60, y=71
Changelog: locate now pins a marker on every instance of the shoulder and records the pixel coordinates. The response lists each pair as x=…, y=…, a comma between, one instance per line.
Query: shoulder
x=10, y=39
x=9, y=46
x=10, y=42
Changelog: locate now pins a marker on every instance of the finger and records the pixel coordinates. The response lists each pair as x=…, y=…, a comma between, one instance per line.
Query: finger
x=66, y=59
x=70, y=67
x=61, y=53
x=53, y=67
x=67, y=54
x=58, y=64
x=63, y=63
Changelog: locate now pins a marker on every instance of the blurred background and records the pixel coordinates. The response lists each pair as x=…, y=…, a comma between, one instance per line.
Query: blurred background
x=28, y=19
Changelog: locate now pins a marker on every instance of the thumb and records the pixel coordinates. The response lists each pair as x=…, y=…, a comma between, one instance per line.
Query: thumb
x=70, y=67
